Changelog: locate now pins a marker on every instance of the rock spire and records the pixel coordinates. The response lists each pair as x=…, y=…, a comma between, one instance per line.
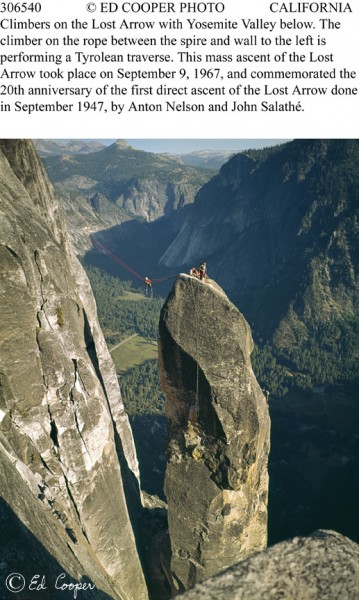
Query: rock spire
x=216, y=479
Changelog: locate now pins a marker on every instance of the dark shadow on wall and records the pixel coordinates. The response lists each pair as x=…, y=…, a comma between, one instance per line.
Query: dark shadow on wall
x=23, y=554
x=150, y=435
x=314, y=464
x=140, y=245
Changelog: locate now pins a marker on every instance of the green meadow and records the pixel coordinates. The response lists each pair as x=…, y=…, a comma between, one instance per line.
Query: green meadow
x=133, y=353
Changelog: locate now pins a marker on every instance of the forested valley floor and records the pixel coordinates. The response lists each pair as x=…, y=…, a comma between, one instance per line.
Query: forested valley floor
x=314, y=441
x=127, y=314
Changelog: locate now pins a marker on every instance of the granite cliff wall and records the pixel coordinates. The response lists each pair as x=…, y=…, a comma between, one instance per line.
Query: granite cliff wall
x=63, y=429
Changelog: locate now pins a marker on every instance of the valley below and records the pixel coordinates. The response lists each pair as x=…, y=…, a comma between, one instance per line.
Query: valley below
x=153, y=437
x=313, y=463
x=314, y=458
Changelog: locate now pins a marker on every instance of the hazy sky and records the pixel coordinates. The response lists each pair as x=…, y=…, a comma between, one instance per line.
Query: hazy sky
x=183, y=146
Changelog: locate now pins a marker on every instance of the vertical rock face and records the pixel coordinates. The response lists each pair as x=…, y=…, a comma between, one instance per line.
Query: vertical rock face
x=216, y=479
x=63, y=429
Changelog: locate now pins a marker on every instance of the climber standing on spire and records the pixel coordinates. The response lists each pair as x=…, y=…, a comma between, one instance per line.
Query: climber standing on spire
x=148, y=287
x=203, y=271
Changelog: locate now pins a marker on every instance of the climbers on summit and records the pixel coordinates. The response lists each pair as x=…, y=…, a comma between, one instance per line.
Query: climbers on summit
x=200, y=273
x=148, y=286
x=203, y=271
x=194, y=272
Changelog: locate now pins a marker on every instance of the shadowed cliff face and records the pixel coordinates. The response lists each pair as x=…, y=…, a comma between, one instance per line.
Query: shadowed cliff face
x=63, y=429
x=102, y=189
x=279, y=228
x=216, y=479
x=324, y=565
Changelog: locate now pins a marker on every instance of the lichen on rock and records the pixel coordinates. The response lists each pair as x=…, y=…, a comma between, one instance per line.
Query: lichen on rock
x=322, y=566
x=216, y=480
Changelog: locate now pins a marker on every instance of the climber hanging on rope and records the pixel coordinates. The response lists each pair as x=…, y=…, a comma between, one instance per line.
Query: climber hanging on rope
x=116, y=259
x=203, y=271
x=148, y=286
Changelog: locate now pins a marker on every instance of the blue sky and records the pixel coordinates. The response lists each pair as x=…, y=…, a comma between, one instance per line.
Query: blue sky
x=181, y=146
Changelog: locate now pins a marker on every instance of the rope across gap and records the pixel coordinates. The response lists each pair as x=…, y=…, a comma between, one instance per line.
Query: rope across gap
x=126, y=266
x=158, y=280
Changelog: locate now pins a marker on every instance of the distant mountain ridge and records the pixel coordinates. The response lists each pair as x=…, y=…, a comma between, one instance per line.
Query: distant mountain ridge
x=57, y=147
x=104, y=188
x=279, y=228
x=209, y=159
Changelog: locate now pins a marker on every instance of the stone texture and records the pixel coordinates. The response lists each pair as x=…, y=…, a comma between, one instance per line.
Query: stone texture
x=322, y=566
x=216, y=480
x=62, y=422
